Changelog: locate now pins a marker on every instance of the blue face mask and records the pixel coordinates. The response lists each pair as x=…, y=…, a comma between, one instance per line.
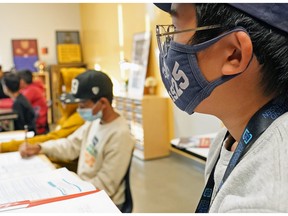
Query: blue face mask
x=182, y=76
x=87, y=114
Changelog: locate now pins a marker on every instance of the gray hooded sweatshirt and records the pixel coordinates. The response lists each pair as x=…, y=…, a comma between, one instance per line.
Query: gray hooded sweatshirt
x=259, y=182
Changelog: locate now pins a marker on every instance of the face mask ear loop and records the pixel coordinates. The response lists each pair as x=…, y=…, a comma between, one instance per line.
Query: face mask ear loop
x=100, y=110
x=232, y=76
x=248, y=63
x=246, y=66
x=206, y=44
x=93, y=107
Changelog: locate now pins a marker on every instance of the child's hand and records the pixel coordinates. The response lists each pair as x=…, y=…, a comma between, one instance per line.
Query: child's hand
x=28, y=150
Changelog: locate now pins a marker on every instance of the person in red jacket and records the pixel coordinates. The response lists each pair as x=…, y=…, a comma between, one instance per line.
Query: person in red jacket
x=5, y=101
x=35, y=93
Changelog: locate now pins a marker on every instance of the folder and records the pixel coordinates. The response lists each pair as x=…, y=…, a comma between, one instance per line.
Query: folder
x=96, y=201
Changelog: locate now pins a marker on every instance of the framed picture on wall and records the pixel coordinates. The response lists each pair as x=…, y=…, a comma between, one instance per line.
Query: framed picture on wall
x=68, y=47
x=140, y=56
x=25, y=54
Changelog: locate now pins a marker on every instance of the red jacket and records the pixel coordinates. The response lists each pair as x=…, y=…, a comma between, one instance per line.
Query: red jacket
x=35, y=93
x=6, y=103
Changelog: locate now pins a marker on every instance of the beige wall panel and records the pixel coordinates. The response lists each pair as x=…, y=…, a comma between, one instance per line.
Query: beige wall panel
x=100, y=35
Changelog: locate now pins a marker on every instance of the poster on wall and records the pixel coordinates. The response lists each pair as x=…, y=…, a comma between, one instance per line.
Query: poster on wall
x=25, y=54
x=68, y=47
x=140, y=56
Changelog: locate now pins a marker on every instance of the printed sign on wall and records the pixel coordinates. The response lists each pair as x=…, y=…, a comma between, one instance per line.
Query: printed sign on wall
x=68, y=47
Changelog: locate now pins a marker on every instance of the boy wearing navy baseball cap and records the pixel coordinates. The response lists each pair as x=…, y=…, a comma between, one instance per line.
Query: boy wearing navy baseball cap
x=103, y=144
x=89, y=85
x=231, y=61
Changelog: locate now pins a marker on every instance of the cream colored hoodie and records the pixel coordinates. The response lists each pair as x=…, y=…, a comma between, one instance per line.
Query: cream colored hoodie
x=104, y=153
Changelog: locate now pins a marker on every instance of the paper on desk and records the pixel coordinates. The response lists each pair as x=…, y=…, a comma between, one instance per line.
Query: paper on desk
x=197, y=141
x=12, y=165
x=96, y=202
x=48, y=184
x=15, y=135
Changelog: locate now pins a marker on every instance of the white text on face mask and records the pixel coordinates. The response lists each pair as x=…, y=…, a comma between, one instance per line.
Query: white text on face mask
x=175, y=90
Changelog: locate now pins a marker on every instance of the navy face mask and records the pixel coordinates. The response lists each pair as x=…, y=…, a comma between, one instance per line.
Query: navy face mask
x=182, y=76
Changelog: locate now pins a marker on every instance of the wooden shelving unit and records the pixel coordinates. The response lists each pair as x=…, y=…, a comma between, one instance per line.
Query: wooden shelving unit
x=149, y=123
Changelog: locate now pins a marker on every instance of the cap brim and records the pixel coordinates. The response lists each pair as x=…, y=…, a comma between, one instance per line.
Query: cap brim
x=164, y=6
x=69, y=98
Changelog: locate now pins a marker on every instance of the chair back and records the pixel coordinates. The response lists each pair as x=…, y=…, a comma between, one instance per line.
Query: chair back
x=127, y=206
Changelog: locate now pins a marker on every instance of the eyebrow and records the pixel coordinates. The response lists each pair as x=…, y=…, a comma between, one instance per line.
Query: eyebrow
x=173, y=13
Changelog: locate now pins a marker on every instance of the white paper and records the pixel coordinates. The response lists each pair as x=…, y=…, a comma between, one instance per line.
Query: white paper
x=49, y=184
x=12, y=165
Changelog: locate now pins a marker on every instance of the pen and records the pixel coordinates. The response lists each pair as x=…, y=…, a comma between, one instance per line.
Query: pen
x=26, y=131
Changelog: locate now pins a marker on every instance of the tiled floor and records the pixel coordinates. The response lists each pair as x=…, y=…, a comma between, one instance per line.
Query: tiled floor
x=167, y=185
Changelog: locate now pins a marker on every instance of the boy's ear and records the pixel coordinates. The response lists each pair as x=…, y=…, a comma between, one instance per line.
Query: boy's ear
x=240, y=51
x=103, y=101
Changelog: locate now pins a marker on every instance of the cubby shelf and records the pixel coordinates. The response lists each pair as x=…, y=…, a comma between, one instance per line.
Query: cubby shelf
x=149, y=123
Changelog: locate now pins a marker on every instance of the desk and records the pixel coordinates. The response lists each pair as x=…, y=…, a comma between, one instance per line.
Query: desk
x=8, y=114
x=195, y=147
x=15, y=135
x=42, y=188
x=198, y=154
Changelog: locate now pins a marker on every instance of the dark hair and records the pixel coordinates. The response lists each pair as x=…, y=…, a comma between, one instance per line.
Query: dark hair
x=26, y=75
x=11, y=81
x=270, y=46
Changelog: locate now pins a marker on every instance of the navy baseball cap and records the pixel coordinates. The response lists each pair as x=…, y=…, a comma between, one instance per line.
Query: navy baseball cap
x=273, y=14
x=91, y=84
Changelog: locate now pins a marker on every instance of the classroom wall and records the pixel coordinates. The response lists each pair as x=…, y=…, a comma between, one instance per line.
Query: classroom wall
x=35, y=21
x=100, y=29
x=188, y=125
x=99, y=33
x=101, y=46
